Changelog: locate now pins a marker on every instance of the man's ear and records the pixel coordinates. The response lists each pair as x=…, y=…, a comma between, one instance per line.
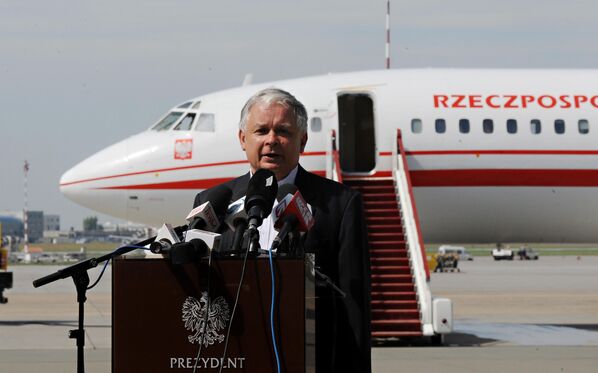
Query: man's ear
x=303, y=142
x=242, y=139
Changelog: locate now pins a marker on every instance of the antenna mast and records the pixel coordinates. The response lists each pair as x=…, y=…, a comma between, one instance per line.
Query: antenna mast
x=388, y=34
x=25, y=212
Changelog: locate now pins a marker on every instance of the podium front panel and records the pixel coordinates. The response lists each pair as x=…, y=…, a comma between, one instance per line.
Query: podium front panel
x=159, y=309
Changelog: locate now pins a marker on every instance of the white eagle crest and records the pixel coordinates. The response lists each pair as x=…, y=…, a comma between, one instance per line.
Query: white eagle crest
x=194, y=316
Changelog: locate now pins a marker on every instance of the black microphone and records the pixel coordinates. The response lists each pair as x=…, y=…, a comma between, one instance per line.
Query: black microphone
x=208, y=215
x=236, y=219
x=261, y=192
x=182, y=252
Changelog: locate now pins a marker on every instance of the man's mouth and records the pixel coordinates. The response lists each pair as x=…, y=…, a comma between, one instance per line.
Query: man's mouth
x=271, y=156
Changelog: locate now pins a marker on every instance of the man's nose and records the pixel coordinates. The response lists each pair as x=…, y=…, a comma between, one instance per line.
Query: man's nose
x=272, y=138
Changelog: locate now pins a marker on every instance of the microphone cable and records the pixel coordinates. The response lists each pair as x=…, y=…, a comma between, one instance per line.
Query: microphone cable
x=109, y=260
x=272, y=310
x=205, y=323
x=234, y=308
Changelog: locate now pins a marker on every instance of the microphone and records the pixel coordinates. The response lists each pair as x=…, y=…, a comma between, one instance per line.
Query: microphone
x=208, y=215
x=291, y=214
x=164, y=240
x=236, y=219
x=261, y=192
x=185, y=252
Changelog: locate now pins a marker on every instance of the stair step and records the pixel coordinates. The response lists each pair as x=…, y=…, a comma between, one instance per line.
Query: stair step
x=394, y=278
x=382, y=220
x=384, y=244
x=374, y=189
x=380, y=204
x=392, y=287
x=384, y=261
x=384, y=228
x=368, y=181
x=392, y=303
x=383, y=335
x=395, y=295
x=386, y=236
x=389, y=212
x=388, y=197
x=384, y=253
x=398, y=270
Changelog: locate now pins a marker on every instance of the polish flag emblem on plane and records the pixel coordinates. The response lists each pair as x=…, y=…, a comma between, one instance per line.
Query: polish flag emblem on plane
x=183, y=149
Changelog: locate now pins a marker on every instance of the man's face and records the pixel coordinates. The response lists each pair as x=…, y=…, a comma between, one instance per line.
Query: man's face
x=271, y=139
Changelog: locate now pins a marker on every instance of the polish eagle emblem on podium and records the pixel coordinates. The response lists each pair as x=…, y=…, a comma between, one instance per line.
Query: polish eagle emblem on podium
x=194, y=315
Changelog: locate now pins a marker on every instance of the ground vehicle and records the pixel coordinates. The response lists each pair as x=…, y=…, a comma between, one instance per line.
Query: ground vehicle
x=46, y=258
x=457, y=250
x=525, y=253
x=501, y=253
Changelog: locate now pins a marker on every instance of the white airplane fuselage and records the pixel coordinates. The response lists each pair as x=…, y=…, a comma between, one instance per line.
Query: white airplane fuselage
x=529, y=176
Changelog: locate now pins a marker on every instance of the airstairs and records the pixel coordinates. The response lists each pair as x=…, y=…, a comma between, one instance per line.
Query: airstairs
x=401, y=301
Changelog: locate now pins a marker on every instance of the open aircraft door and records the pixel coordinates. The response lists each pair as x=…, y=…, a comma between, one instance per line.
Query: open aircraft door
x=357, y=141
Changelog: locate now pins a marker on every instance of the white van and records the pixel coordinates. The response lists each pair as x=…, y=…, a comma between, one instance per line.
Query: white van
x=458, y=250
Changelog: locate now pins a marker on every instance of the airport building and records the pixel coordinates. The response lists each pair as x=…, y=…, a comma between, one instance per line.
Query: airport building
x=11, y=226
x=51, y=222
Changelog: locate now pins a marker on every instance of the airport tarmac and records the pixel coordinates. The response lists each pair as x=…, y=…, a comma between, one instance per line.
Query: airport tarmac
x=510, y=316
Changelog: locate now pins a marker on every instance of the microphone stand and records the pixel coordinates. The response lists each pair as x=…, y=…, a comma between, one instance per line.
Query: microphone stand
x=81, y=279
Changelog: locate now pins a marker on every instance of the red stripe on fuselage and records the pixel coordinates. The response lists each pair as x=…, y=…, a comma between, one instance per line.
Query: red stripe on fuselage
x=505, y=177
x=321, y=153
x=185, y=184
x=174, y=169
x=437, y=178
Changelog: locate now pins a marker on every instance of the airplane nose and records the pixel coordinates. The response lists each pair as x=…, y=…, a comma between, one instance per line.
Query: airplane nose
x=83, y=183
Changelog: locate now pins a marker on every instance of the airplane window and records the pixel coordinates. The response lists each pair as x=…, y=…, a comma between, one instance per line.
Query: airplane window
x=559, y=126
x=185, y=105
x=416, y=125
x=185, y=123
x=196, y=105
x=511, y=126
x=206, y=123
x=464, y=125
x=440, y=125
x=167, y=121
x=488, y=126
x=316, y=124
x=535, y=126
x=584, y=126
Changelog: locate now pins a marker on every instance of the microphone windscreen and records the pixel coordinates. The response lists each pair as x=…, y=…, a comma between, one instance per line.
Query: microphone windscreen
x=261, y=191
x=219, y=197
x=284, y=190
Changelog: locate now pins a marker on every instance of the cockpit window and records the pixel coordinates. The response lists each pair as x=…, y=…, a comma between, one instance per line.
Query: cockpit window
x=185, y=105
x=185, y=123
x=167, y=121
x=206, y=123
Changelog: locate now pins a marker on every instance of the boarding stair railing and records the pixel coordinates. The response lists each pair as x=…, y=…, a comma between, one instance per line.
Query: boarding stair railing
x=435, y=313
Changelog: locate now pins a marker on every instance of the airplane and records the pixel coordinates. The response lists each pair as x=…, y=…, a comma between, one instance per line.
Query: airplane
x=494, y=155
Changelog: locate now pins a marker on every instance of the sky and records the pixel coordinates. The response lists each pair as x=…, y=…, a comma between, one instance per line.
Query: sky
x=77, y=76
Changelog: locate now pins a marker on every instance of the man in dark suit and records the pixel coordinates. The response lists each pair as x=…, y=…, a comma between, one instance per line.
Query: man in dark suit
x=273, y=132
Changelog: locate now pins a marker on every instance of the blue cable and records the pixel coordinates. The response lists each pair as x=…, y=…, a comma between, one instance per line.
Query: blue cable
x=272, y=311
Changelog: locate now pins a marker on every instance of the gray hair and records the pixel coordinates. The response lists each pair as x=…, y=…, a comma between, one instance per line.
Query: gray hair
x=274, y=95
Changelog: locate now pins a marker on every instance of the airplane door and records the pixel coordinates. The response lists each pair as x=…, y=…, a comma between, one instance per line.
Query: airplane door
x=357, y=143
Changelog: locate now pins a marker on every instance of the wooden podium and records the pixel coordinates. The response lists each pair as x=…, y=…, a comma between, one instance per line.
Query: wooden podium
x=158, y=308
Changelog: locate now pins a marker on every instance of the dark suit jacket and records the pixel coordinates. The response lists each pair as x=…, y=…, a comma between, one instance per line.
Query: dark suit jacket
x=339, y=240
